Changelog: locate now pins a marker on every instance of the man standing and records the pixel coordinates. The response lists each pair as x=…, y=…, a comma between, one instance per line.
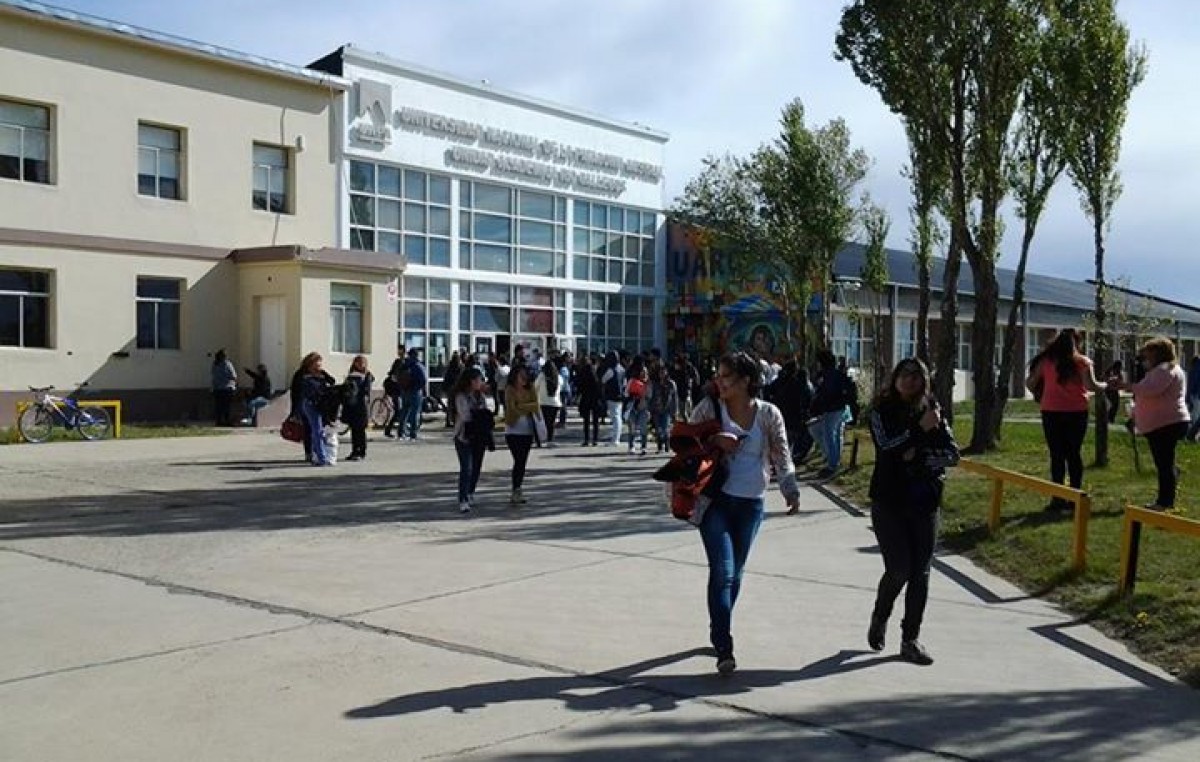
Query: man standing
x=612, y=386
x=412, y=391
x=391, y=387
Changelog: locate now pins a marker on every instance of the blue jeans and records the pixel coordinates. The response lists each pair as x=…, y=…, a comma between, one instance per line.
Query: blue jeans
x=662, y=423
x=412, y=414
x=728, y=531
x=638, y=421
x=615, y=409
x=253, y=406
x=470, y=463
x=316, y=432
x=831, y=427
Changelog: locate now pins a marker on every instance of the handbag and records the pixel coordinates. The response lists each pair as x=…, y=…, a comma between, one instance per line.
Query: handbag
x=539, y=428
x=292, y=430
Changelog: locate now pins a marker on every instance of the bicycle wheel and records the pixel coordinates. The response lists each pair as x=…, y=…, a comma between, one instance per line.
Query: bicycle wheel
x=381, y=411
x=94, y=422
x=35, y=423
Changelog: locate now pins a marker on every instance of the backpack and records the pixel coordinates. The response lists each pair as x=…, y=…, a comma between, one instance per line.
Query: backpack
x=329, y=402
x=695, y=473
x=351, y=393
x=612, y=387
x=404, y=379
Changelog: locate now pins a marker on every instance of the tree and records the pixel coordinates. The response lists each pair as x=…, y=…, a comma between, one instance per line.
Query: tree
x=956, y=68
x=927, y=175
x=1090, y=47
x=779, y=213
x=876, y=225
x=1037, y=160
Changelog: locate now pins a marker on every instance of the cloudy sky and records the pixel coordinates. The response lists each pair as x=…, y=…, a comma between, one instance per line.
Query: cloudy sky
x=715, y=74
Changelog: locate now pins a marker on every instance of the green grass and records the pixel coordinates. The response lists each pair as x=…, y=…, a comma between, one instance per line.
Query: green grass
x=1161, y=621
x=136, y=431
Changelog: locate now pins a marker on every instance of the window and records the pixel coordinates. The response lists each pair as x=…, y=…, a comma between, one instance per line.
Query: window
x=271, y=168
x=906, y=338
x=346, y=318
x=157, y=313
x=494, y=219
x=160, y=158
x=851, y=338
x=601, y=322
x=965, y=347
x=425, y=319
x=24, y=142
x=397, y=211
x=613, y=244
x=24, y=308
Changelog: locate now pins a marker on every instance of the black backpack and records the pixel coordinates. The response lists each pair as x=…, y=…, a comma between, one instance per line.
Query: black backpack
x=612, y=387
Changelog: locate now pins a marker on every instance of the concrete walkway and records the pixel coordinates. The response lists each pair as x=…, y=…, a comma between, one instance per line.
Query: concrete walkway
x=215, y=599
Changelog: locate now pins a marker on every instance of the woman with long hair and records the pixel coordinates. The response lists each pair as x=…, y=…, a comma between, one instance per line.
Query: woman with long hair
x=753, y=441
x=591, y=401
x=1160, y=413
x=354, y=407
x=315, y=384
x=1060, y=377
x=913, y=447
x=549, y=391
x=471, y=439
x=520, y=407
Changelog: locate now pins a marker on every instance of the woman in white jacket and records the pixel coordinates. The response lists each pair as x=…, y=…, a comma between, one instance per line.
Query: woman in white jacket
x=754, y=440
x=549, y=391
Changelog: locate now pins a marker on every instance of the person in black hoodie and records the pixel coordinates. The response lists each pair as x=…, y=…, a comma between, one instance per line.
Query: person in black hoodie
x=913, y=447
x=356, y=399
x=793, y=394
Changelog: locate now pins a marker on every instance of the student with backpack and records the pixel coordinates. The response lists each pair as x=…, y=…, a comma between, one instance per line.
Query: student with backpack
x=356, y=397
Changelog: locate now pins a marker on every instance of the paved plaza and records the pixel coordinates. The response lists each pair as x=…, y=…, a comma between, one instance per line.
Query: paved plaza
x=216, y=599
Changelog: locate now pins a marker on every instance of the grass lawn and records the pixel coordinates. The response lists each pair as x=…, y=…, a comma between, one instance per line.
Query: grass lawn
x=1161, y=621
x=136, y=431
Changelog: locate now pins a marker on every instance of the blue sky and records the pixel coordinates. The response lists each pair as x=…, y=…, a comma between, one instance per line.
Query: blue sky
x=715, y=74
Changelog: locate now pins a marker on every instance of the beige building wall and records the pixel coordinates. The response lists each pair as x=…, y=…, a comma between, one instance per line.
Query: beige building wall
x=99, y=87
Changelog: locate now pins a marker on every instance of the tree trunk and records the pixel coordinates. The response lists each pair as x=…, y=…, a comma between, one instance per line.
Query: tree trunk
x=983, y=354
x=1100, y=351
x=947, y=345
x=924, y=276
x=1007, y=361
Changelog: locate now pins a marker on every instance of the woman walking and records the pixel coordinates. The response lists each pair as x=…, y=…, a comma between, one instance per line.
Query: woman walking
x=354, y=407
x=913, y=448
x=1060, y=377
x=520, y=408
x=472, y=434
x=549, y=391
x=663, y=402
x=753, y=441
x=591, y=402
x=1160, y=413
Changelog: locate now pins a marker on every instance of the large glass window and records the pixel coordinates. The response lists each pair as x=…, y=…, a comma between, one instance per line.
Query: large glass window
x=851, y=338
x=906, y=338
x=272, y=166
x=397, y=211
x=425, y=320
x=158, y=313
x=964, y=347
x=613, y=244
x=495, y=218
x=24, y=308
x=24, y=142
x=160, y=159
x=612, y=321
x=346, y=308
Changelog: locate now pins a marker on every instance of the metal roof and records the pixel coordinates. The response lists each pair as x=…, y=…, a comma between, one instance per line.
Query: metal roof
x=1039, y=289
x=172, y=42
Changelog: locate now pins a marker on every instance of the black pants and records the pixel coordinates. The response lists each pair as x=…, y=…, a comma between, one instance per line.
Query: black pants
x=358, y=438
x=906, y=538
x=394, y=419
x=1114, y=404
x=223, y=406
x=1064, y=438
x=1162, y=447
x=550, y=416
x=519, y=445
x=591, y=422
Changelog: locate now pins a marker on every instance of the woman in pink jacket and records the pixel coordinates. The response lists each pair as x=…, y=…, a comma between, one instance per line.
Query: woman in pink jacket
x=1160, y=412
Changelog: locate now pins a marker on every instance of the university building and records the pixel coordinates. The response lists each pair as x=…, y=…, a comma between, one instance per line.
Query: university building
x=161, y=199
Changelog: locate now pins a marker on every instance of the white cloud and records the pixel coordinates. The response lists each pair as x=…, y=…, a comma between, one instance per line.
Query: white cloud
x=715, y=74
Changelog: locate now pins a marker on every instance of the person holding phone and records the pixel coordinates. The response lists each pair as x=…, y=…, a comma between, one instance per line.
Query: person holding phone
x=913, y=447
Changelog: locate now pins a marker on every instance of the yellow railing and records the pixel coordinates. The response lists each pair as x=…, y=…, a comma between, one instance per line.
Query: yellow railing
x=1081, y=500
x=114, y=404
x=1131, y=536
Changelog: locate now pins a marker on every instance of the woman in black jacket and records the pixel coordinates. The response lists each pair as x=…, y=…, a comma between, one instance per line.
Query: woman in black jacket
x=356, y=399
x=913, y=447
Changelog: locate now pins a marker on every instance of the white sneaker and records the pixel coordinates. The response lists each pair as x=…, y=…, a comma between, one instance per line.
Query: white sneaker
x=464, y=507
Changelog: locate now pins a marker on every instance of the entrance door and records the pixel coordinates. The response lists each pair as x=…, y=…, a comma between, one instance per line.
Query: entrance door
x=483, y=343
x=531, y=343
x=272, y=344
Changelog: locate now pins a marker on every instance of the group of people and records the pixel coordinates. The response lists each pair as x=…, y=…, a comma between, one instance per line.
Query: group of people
x=1165, y=407
x=225, y=391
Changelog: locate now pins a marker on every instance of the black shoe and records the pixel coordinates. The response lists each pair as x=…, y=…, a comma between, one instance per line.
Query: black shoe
x=389, y=434
x=1058, y=505
x=913, y=652
x=876, y=633
x=726, y=664
x=353, y=457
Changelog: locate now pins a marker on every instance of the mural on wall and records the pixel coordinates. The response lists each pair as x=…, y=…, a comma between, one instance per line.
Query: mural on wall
x=709, y=312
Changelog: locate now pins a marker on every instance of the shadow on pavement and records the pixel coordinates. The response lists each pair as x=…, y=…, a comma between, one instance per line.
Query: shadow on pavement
x=1068, y=724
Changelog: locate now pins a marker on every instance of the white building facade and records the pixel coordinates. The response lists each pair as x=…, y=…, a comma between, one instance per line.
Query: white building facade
x=520, y=221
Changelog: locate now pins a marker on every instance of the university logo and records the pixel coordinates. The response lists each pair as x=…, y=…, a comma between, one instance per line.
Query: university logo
x=372, y=113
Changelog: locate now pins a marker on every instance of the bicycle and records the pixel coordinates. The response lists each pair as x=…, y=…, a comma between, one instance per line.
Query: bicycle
x=38, y=419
